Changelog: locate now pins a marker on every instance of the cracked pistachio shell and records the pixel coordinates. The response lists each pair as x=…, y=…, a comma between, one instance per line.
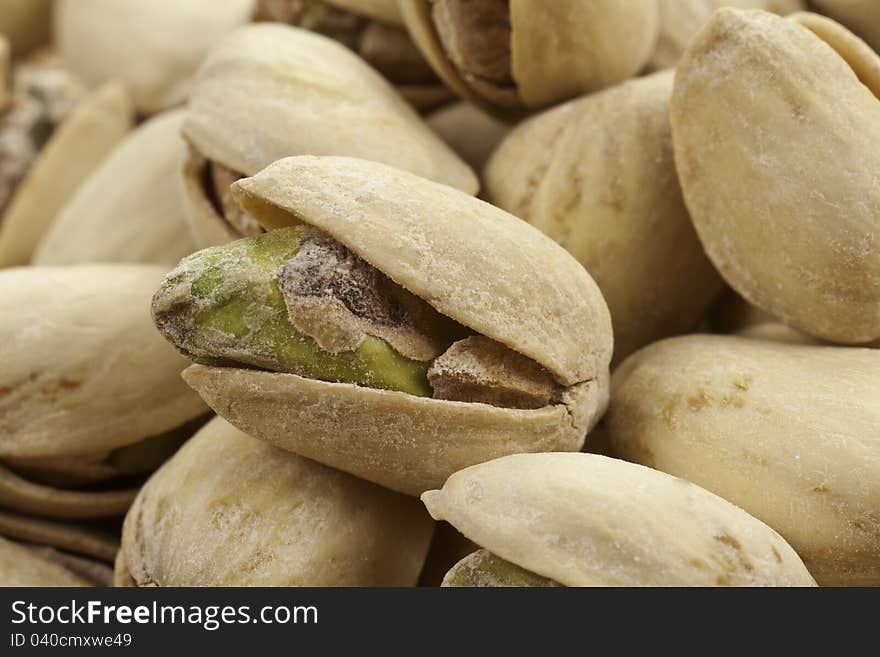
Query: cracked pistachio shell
x=84, y=369
x=91, y=131
x=131, y=208
x=588, y=520
x=268, y=91
x=861, y=16
x=229, y=510
x=20, y=566
x=473, y=263
x=155, y=47
x=558, y=50
x=777, y=145
x=597, y=175
x=25, y=23
x=787, y=432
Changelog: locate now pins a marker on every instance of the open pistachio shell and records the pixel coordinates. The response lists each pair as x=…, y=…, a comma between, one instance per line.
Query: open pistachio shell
x=471, y=132
x=588, y=520
x=597, y=175
x=94, y=127
x=74, y=538
x=777, y=140
x=131, y=208
x=25, y=23
x=154, y=47
x=526, y=54
x=787, y=432
x=229, y=510
x=84, y=370
x=861, y=16
x=20, y=566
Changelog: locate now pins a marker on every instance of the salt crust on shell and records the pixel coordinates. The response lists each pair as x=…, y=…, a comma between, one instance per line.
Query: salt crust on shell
x=231, y=510
x=269, y=91
x=471, y=261
x=587, y=520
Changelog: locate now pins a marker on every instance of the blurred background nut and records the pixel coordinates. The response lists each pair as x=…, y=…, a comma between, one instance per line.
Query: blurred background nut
x=20, y=566
x=154, y=46
x=131, y=208
x=471, y=132
x=787, y=432
x=268, y=91
x=229, y=510
x=777, y=142
x=520, y=55
x=409, y=329
x=25, y=23
x=861, y=16
x=597, y=175
x=588, y=520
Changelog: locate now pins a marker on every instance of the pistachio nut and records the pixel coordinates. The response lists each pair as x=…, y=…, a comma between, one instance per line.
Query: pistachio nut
x=787, y=432
x=118, y=385
x=25, y=23
x=589, y=520
x=261, y=80
x=154, y=47
x=861, y=16
x=597, y=175
x=96, y=573
x=358, y=309
x=374, y=30
x=75, y=538
x=20, y=566
x=229, y=510
x=43, y=163
x=131, y=208
x=471, y=132
x=513, y=56
x=777, y=141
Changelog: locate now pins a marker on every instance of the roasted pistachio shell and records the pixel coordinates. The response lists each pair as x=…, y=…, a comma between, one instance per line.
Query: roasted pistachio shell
x=20, y=566
x=471, y=132
x=94, y=127
x=484, y=569
x=525, y=54
x=587, y=520
x=861, y=16
x=154, y=47
x=229, y=510
x=598, y=176
x=777, y=138
x=84, y=369
x=131, y=208
x=25, y=23
x=787, y=432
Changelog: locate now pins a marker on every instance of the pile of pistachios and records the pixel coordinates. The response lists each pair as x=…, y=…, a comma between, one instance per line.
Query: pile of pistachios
x=471, y=293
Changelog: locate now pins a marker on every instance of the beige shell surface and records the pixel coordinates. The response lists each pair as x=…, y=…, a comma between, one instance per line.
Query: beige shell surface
x=777, y=145
x=269, y=91
x=26, y=23
x=403, y=442
x=131, y=208
x=98, y=123
x=471, y=261
x=75, y=538
x=787, y=432
x=597, y=175
x=588, y=520
x=154, y=47
x=229, y=510
x=471, y=132
x=861, y=16
x=20, y=566
x=84, y=369
x=383, y=10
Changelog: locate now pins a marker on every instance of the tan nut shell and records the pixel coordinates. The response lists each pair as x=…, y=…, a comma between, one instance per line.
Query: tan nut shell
x=154, y=47
x=597, y=175
x=84, y=369
x=74, y=538
x=861, y=16
x=559, y=49
x=131, y=208
x=787, y=432
x=229, y=510
x=777, y=145
x=588, y=520
x=20, y=566
x=78, y=146
x=25, y=23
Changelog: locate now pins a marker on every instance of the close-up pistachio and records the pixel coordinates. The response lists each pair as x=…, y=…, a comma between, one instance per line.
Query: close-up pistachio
x=269, y=91
x=516, y=56
x=777, y=144
x=397, y=329
x=229, y=510
x=589, y=520
x=788, y=432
